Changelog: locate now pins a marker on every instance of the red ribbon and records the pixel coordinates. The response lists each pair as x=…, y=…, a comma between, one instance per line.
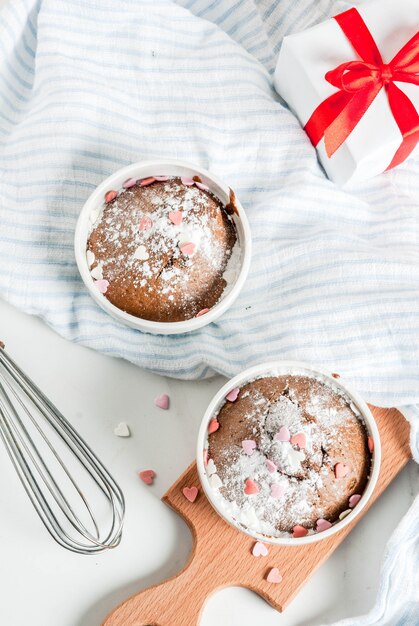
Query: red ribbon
x=359, y=82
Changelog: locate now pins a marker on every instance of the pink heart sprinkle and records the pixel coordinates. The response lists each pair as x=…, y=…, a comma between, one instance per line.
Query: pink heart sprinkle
x=162, y=179
x=187, y=181
x=213, y=426
x=102, y=285
x=187, y=248
x=283, y=434
x=147, y=181
x=371, y=444
x=175, y=217
x=202, y=312
x=322, y=524
x=270, y=466
x=162, y=401
x=299, y=531
x=278, y=490
x=110, y=195
x=202, y=186
x=233, y=394
x=130, y=182
x=259, y=549
x=147, y=476
x=249, y=446
x=353, y=500
x=274, y=576
x=299, y=440
x=190, y=493
x=341, y=470
x=205, y=456
x=251, y=488
x=146, y=223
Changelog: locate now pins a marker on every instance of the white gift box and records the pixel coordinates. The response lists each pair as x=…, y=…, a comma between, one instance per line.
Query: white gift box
x=303, y=62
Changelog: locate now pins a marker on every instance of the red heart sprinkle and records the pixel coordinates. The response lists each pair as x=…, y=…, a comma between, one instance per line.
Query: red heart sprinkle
x=353, y=500
x=299, y=440
x=110, y=195
x=187, y=248
x=371, y=444
x=336, y=375
x=233, y=394
x=202, y=312
x=299, y=531
x=274, y=576
x=213, y=426
x=175, y=217
x=259, y=549
x=147, y=181
x=251, y=488
x=190, y=493
x=322, y=524
x=147, y=476
x=146, y=223
x=341, y=470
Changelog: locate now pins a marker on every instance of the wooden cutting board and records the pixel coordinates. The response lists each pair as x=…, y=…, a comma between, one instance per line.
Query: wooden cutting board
x=221, y=555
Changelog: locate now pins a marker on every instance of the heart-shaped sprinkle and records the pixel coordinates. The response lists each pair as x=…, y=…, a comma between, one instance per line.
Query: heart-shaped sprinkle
x=295, y=458
x=122, y=430
x=202, y=186
x=213, y=426
x=162, y=179
x=274, y=576
x=90, y=258
x=97, y=272
x=278, y=489
x=110, y=195
x=259, y=549
x=147, y=476
x=187, y=249
x=341, y=470
x=141, y=254
x=353, y=500
x=146, y=223
x=190, y=493
x=233, y=394
x=187, y=181
x=130, y=182
x=283, y=434
x=251, y=488
x=249, y=446
x=175, y=217
x=147, y=181
x=344, y=514
x=102, y=285
x=322, y=524
x=299, y=531
x=202, y=312
x=215, y=481
x=299, y=440
x=334, y=375
x=371, y=444
x=270, y=466
x=205, y=456
x=162, y=401
x=211, y=469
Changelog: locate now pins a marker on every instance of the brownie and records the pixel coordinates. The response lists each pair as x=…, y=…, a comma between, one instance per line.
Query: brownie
x=163, y=250
x=302, y=445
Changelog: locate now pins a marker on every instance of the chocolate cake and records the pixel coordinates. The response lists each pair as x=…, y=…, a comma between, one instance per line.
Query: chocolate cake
x=163, y=248
x=289, y=455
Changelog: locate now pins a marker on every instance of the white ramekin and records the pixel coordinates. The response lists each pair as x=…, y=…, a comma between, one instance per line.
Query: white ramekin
x=280, y=368
x=169, y=167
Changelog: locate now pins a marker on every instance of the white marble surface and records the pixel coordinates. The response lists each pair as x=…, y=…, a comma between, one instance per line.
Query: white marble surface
x=43, y=585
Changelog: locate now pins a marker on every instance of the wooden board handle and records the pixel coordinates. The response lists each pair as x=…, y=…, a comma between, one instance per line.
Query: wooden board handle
x=222, y=556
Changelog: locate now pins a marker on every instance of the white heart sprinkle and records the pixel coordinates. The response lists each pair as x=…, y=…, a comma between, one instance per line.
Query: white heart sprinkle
x=97, y=272
x=94, y=214
x=215, y=481
x=345, y=513
x=90, y=258
x=122, y=430
x=295, y=458
x=141, y=253
x=211, y=469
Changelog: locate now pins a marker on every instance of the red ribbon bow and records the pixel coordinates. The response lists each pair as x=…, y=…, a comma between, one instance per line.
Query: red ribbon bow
x=359, y=82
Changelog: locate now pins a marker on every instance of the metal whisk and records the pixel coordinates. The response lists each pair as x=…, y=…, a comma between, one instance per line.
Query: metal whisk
x=53, y=461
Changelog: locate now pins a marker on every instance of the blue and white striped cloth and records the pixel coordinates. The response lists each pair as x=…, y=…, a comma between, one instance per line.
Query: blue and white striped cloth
x=88, y=86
